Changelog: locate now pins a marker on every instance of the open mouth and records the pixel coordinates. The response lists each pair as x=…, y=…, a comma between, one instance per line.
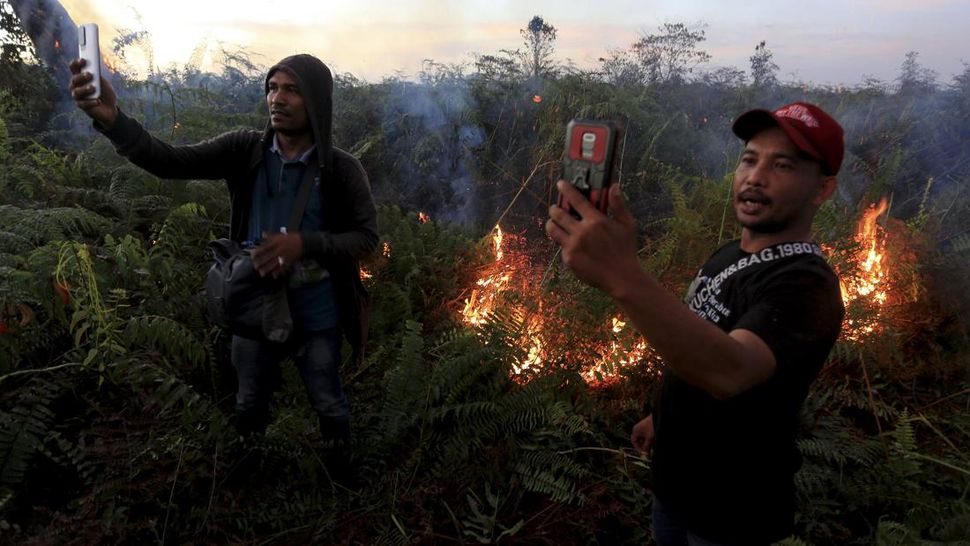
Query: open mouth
x=751, y=202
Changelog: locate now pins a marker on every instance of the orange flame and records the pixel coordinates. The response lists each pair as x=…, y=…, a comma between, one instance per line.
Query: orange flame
x=423, y=218
x=545, y=337
x=109, y=65
x=57, y=44
x=869, y=281
x=537, y=98
x=619, y=353
x=364, y=274
x=386, y=252
x=483, y=299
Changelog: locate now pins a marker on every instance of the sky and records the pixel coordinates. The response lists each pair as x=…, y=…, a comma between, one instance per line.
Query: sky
x=826, y=42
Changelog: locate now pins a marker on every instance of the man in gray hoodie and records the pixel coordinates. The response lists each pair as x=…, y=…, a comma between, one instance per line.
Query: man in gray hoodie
x=263, y=171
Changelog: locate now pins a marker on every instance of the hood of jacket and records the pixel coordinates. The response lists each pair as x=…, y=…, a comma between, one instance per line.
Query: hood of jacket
x=316, y=87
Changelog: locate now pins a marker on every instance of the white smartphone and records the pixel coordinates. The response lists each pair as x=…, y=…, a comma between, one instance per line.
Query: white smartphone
x=90, y=51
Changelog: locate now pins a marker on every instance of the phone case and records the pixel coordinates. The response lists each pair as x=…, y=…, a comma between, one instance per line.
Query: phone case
x=589, y=160
x=90, y=51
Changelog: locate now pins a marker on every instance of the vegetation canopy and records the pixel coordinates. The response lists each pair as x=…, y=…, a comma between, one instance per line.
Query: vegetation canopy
x=496, y=396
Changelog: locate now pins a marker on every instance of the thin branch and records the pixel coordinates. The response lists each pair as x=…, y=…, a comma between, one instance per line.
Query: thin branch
x=39, y=370
x=872, y=401
x=928, y=406
x=171, y=493
x=521, y=189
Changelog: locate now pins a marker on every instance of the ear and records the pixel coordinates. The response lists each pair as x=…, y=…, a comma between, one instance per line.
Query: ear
x=825, y=190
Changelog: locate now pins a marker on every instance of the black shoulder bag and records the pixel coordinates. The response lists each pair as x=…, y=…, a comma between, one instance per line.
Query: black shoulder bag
x=238, y=299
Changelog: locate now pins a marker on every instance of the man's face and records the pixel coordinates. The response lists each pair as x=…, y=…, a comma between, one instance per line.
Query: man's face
x=776, y=188
x=287, y=111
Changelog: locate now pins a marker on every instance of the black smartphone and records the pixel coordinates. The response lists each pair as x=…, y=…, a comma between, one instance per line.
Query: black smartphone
x=589, y=160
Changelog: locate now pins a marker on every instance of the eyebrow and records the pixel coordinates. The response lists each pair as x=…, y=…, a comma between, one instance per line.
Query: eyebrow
x=777, y=155
x=282, y=84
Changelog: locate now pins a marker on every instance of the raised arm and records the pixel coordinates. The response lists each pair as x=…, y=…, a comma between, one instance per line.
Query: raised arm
x=212, y=159
x=602, y=252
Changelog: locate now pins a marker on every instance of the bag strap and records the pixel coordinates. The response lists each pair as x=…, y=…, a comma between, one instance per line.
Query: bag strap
x=302, y=197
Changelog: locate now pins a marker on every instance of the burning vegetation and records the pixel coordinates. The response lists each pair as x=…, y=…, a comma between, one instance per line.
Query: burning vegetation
x=877, y=271
x=129, y=414
x=513, y=285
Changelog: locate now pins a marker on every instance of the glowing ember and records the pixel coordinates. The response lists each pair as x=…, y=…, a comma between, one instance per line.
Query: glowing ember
x=386, y=252
x=57, y=44
x=536, y=99
x=423, y=218
x=497, y=239
x=364, y=274
x=618, y=325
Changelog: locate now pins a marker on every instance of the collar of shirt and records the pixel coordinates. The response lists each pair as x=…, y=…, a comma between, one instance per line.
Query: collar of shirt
x=304, y=158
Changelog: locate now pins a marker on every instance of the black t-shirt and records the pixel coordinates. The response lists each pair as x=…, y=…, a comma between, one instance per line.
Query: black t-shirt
x=726, y=466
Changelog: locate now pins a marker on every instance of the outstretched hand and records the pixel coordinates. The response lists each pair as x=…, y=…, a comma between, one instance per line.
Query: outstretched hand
x=277, y=253
x=600, y=249
x=103, y=109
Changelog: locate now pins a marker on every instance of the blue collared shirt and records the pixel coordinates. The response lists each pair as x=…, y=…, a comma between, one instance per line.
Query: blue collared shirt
x=313, y=307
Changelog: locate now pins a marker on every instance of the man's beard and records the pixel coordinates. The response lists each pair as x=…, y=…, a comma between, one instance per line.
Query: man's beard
x=766, y=226
x=292, y=132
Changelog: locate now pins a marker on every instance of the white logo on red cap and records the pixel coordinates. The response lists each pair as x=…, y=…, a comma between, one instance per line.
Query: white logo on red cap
x=799, y=112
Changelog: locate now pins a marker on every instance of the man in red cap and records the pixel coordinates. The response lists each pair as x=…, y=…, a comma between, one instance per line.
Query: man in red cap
x=760, y=319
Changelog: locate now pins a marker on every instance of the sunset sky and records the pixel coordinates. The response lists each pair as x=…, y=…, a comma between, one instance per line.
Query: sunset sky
x=821, y=41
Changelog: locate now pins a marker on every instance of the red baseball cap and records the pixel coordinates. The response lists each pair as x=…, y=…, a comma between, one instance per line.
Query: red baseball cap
x=811, y=129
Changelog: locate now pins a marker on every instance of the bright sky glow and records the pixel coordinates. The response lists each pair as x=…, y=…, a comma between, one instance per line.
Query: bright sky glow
x=820, y=41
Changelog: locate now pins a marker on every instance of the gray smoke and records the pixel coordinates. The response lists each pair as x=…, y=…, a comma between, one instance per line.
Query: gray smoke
x=53, y=33
x=430, y=126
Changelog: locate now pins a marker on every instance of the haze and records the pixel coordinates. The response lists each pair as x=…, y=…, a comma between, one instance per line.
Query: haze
x=820, y=41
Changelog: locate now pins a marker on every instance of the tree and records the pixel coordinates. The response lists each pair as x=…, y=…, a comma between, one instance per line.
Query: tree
x=621, y=69
x=764, y=71
x=28, y=94
x=15, y=46
x=960, y=91
x=540, y=39
x=724, y=76
x=670, y=56
x=914, y=77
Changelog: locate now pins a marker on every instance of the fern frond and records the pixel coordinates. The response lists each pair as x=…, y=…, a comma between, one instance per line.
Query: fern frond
x=23, y=430
x=53, y=224
x=406, y=382
x=552, y=474
x=168, y=336
x=13, y=243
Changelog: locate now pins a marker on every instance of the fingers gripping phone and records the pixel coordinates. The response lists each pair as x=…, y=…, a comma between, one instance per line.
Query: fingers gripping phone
x=589, y=160
x=90, y=51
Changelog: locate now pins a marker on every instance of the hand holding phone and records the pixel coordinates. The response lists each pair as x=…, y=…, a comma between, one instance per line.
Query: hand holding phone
x=589, y=161
x=90, y=51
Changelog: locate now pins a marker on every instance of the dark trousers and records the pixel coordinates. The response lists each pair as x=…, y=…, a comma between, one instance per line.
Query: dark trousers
x=317, y=357
x=669, y=530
